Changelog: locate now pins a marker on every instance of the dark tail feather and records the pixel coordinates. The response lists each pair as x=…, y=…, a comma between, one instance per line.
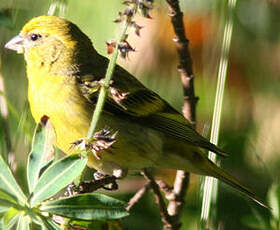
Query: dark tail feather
x=213, y=148
x=230, y=180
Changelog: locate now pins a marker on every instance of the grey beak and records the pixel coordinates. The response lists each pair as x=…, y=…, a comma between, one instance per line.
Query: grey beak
x=16, y=43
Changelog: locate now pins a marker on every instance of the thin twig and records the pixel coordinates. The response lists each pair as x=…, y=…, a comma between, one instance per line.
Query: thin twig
x=177, y=197
x=168, y=223
x=185, y=60
x=165, y=188
x=190, y=100
x=138, y=195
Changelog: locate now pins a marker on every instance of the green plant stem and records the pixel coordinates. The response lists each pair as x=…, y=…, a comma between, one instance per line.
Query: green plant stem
x=104, y=87
x=209, y=185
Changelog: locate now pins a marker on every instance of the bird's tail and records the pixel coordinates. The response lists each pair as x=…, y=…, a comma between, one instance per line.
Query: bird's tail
x=222, y=175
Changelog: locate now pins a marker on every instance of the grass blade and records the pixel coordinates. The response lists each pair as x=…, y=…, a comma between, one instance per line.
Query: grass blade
x=210, y=183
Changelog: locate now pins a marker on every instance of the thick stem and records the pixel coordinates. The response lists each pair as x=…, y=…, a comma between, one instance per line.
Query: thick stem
x=190, y=100
x=167, y=220
x=185, y=61
x=137, y=196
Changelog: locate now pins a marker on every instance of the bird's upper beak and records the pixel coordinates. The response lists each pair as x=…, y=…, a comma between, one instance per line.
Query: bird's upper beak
x=16, y=43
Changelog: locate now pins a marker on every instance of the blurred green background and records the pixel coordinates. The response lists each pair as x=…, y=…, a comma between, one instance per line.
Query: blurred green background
x=251, y=113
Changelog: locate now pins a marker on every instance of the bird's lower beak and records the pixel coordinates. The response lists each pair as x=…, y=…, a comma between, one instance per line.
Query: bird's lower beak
x=16, y=43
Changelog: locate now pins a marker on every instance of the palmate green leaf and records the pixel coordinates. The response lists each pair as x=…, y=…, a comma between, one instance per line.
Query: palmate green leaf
x=2, y=210
x=41, y=151
x=7, y=196
x=23, y=222
x=11, y=223
x=10, y=218
x=57, y=176
x=87, y=207
x=48, y=224
x=8, y=183
x=7, y=203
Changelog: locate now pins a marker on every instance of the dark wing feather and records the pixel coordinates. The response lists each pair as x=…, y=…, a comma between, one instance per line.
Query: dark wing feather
x=146, y=107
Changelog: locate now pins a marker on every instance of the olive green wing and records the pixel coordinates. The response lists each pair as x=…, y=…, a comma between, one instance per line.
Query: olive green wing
x=146, y=107
x=138, y=102
x=177, y=126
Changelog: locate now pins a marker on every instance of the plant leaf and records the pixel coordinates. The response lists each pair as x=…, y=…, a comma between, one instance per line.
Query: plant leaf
x=2, y=210
x=10, y=217
x=8, y=183
x=87, y=207
x=7, y=196
x=57, y=176
x=12, y=222
x=7, y=203
x=23, y=222
x=48, y=224
x=41, y=151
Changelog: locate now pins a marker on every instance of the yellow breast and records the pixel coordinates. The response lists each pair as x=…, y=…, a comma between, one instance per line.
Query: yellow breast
x=59, y=98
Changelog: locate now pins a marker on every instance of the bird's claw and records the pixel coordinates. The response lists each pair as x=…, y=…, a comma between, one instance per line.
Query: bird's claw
x=111, y=186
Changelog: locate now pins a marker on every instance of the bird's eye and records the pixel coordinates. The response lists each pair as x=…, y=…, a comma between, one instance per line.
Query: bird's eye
x=35, y=37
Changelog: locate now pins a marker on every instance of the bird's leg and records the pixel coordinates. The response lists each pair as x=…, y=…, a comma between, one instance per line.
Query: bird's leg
x=100, y=176
x=71, y=190
x=100, y=180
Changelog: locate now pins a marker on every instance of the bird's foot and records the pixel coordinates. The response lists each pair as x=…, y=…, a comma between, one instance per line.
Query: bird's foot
x=101, y=180
x=100, y=176
x=101, y=141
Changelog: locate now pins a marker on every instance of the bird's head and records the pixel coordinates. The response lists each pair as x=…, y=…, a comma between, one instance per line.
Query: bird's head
x=53, y=43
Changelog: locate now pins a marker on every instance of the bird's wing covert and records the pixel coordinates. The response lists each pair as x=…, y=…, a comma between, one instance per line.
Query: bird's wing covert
x=146, y=107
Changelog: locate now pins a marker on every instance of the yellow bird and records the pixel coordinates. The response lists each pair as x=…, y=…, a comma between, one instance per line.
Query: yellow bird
x=62, y=65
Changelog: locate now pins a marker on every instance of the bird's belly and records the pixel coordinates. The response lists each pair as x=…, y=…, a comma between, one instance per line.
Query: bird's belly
x=136, y=147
